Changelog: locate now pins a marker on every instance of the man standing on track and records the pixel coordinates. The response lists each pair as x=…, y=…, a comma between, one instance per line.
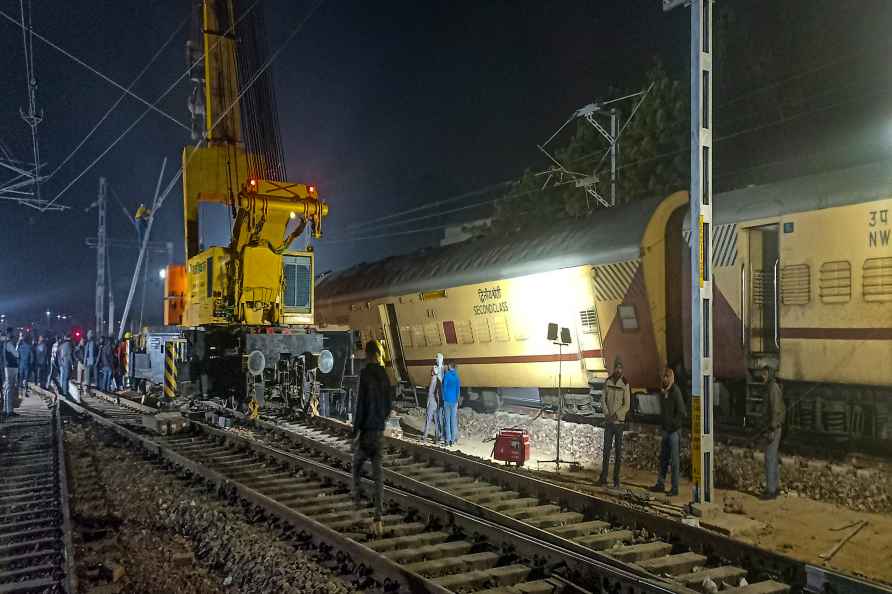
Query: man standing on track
x=673, y=413
x=432, y=420
x=373, y=406
x=90, y=359
x=617, y=401
x=777, y=412
x=66, y=353
x=41, y=360
x=25, y=360
x=451, y=393
x=11, y=373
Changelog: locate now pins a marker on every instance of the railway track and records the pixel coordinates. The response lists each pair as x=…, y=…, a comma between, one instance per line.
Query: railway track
x=426, y=546
x=36, y=553
x=659, y=545
x=606, y=543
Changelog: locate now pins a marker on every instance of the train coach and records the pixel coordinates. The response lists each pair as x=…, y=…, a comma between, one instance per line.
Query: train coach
x=802, y=273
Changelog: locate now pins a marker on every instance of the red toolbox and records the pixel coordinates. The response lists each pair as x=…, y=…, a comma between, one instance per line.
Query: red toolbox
x=512, y=445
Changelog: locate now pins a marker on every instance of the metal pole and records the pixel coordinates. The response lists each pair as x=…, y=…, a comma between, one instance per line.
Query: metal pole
x=613, y=146
x=701, y=251
x=101, y=255
x=557, y=454
x=111, y=295
x=156, y=202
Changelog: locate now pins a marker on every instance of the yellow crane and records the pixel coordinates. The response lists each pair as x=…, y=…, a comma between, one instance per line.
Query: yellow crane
x=254, y=294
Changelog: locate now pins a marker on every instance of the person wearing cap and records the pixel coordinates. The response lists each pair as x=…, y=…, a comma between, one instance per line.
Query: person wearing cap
x=617, y=401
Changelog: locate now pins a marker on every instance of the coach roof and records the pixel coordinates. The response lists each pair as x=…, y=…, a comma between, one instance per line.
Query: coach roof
x=606, y=237
x=609, y=236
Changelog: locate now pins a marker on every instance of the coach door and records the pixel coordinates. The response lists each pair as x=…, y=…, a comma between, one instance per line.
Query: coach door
x=760, y=282
x=394, y=345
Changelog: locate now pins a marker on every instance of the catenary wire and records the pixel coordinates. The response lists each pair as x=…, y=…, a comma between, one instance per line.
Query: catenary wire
x=627, y=165
x=77, y=60
x=583, y=157
x=120, y=99
x=144, y=114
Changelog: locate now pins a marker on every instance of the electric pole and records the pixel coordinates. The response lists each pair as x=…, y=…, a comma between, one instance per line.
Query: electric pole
x=101, y=256
x=701, y=247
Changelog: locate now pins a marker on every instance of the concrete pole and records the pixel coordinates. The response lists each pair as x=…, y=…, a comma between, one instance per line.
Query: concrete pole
x=101, y=256
x=701, y=251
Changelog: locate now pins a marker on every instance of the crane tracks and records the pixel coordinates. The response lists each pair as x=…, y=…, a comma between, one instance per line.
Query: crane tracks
x=36, y=554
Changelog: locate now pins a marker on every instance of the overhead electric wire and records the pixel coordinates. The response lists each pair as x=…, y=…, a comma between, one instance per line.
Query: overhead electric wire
x=658, y=157
x=159, y=202
x=435, y=204
x=146, y=111
x=77, y=60
x=120, y=99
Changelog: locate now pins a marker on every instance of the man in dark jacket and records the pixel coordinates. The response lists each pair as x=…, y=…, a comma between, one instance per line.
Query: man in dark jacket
x=673, y=415
x=373, y=405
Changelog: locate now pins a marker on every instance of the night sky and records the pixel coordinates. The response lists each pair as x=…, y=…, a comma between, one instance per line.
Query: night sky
x=384, y=106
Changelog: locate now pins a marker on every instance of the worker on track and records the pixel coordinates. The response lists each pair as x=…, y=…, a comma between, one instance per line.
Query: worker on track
x=373, y=406
x=617, y=401
x=777, y=412
x=25, y=359
x=66, y=360
x=673, y=414
x=434, y=415
x=10, y=373
x=41, y=360
x=451, y=392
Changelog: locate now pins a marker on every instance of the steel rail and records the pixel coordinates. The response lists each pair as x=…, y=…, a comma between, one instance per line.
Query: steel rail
x=578, y=566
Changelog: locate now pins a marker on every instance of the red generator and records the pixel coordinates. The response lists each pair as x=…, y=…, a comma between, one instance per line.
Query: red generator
x=512, y=445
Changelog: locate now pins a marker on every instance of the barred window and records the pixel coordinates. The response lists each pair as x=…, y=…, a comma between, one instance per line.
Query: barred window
x=835, y=282
x=464, y=333
x=418, y=336
x=588, y=319
x=406, y=336
x=481, y=330
x=500, y=329
x=795, y=284
x=877, y=275
x=432, y=334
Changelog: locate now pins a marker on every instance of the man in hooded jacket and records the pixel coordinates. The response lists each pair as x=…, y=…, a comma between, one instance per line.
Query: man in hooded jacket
x=433, y=399
x=373, y=406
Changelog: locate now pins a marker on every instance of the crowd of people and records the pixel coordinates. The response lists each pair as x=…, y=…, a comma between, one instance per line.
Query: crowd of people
x=54, y=362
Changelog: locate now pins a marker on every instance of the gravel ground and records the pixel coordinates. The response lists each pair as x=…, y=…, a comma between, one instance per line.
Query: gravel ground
x=173, y=536
x=859, y=489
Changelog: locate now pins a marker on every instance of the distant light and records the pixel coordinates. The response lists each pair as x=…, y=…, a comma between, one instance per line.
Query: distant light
x=253, y=182
x=292, y=214
x=162, y=274
x=47, y=312
x=312, y=189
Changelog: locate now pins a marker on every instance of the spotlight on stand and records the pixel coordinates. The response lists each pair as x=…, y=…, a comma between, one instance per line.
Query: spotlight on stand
x=560, y=339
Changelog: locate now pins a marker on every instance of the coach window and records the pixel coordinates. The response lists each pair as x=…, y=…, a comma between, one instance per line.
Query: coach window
x=628, y=317
x=877, y=275
x=464, y=332
x=432, y=334
x=418, y=336
x=795, y=284
x=835, y=282
x=481, y=330
x=449, y=332
x=500, y=329
x=406, y=336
